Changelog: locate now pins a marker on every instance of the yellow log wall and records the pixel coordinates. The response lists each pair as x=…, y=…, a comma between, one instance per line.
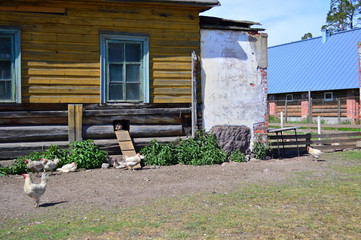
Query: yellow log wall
x=61, y=52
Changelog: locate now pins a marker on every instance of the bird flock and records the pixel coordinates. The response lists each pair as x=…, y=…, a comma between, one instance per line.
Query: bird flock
x=36, y=190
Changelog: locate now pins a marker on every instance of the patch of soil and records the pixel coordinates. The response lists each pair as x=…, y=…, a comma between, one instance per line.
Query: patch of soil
x=87, y=190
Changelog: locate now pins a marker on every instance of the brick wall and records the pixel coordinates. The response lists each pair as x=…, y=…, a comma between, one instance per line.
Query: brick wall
x=261, y=128
x=359, y=54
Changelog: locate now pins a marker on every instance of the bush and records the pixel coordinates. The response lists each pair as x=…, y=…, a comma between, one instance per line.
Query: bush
x=202, y=150
x=159, y=154
x=260, y=149
x=237, y=156
x=18, y=167
x=86, y=154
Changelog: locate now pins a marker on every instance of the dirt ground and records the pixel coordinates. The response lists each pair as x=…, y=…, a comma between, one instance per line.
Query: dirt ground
x=87, y=190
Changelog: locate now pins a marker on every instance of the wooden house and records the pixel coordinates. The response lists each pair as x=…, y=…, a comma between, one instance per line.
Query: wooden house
x=316, y=77
x=70, y=70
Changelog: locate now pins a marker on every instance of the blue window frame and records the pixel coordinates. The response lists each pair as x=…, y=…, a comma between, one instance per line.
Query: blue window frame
x=10, y=66
x=124, y=68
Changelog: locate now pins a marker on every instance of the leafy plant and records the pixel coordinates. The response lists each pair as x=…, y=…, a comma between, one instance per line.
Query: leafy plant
x=18, y=167
x=86, y=154
x=202, y=150
x=260, y=149
x=237, y=156
x=159, y=154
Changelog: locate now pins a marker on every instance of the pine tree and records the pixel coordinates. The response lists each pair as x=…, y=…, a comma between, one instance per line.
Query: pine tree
x=343, y=15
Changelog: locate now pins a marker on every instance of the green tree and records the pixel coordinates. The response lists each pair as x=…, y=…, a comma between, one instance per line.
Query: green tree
x=306, y=36
x=342, y=15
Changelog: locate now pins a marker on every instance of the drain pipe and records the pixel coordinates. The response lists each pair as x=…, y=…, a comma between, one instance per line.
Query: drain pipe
x=194, y=93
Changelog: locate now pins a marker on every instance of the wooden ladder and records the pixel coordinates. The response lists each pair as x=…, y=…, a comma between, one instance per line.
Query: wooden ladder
x=126, y=144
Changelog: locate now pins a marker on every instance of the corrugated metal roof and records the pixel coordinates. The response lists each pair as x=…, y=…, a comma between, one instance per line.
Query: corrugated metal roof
x=311, y=65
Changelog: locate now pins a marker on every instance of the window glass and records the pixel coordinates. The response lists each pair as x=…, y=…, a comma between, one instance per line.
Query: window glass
x=5, y=90
x=133, y=91
x=116, y=72
x=5, y=70
x=115, y=91
x=5, y=48
x=328, y=96
x=10, y=66
x=125, y=66
x=289, y=97
x=133, y=73
x=133, y=52
x=116, y=52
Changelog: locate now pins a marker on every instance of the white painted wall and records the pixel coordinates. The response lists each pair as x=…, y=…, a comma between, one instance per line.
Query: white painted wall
x=232, y=89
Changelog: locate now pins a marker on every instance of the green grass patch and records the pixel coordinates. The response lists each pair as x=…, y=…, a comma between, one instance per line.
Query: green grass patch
x=307, y=206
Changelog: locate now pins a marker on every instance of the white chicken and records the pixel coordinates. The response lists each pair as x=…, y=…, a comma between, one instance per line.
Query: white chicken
x=316, y=153
x=71, y=167
x=117, y=164
x=35, y=190
x=49, y=165
x=131, y=162
x=35, y=166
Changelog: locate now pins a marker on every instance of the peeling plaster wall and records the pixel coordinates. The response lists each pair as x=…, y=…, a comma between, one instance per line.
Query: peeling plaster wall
x=234, y=84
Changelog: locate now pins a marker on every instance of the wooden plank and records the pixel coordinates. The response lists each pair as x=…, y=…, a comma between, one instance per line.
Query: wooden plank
x=68, y=81
x=71, y=123
x=61, y=99
x=317, y=142
x=315, y=125
x=78, y=122
x=63, y=90
x=126, y=144
x=137, y=119
x=33, y=133
x=34, y=9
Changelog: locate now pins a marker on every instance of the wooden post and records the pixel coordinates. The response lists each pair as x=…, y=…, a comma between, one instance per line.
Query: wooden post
x=286, y=110
x=319, y=125
x=282, y=125
x=75, y=123
x=338, y=111
x=309, y=107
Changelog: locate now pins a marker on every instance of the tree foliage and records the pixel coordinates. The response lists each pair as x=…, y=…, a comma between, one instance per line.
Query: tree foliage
x=306, y=36
x=343, y=15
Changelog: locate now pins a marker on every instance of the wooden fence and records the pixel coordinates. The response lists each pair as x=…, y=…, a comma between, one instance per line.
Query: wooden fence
x=286, y=144
x=338, y=109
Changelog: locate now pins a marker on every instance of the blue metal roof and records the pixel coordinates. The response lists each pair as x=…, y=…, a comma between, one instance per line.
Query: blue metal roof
x=311, y=65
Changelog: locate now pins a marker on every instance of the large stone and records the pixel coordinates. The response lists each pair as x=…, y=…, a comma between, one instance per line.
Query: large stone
x=233, y=138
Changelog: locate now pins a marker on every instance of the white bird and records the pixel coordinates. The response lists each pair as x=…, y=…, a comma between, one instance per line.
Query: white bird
x=316, y=153
x=49, y=165
x=35, y=190
x=131, y=162
x=71, y=167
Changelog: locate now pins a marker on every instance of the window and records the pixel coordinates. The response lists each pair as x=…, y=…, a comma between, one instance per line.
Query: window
x=125, y=70
x=328, y=96
x=10, y=66
x=289, y=97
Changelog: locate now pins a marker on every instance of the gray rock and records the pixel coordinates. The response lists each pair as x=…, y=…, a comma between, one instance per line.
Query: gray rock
x=233, y=138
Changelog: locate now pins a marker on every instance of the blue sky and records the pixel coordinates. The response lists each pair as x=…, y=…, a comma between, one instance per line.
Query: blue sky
x=284, y=20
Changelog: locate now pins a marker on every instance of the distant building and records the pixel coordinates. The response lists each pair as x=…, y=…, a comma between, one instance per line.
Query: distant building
x=316, y=77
